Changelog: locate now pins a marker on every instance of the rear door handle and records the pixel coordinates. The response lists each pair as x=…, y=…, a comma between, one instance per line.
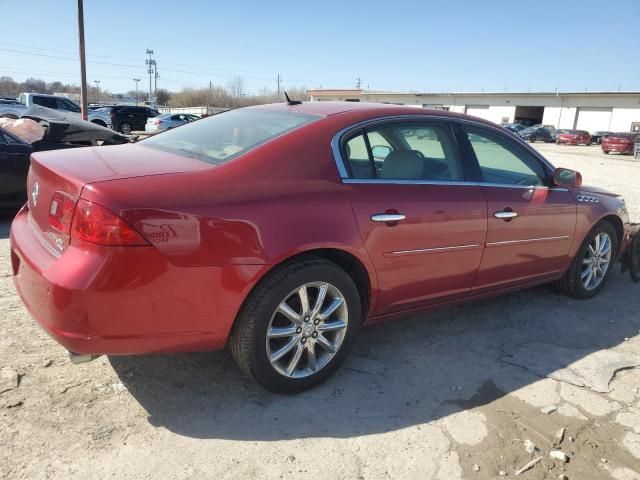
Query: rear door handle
x=387, y=217
x=505, y=215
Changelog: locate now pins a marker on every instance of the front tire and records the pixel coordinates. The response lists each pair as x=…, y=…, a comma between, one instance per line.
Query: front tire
x=592, y=266
x=297, y=326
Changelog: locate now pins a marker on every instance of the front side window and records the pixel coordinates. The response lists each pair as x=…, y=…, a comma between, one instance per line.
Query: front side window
x=225, y=136
x=502, y=161
x=398, y=151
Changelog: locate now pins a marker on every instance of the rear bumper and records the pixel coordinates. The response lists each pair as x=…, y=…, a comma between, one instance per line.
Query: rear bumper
x=124, y=300
x=616, y=147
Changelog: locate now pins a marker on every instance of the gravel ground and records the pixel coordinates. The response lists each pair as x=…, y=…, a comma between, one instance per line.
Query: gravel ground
x=457, y=393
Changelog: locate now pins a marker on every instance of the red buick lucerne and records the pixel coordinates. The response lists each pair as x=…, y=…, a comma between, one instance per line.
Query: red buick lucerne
x=281, y=229
x=574, y=137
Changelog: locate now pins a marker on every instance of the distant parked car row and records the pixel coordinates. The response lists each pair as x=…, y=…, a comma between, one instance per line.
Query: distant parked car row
x=622, y=142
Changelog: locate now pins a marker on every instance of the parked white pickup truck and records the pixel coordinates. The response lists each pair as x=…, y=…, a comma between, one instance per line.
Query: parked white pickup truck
x=62, y=104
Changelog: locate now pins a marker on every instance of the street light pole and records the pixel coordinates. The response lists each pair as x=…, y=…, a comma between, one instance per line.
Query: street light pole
x=137, y=98
x=97, y=82
x=83, y=65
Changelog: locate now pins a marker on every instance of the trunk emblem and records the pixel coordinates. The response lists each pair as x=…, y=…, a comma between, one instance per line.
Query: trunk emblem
x=35, y=193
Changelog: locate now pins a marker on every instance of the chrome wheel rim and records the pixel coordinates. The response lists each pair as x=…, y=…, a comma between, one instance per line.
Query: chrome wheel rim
x=596, y=261
x=307, y=329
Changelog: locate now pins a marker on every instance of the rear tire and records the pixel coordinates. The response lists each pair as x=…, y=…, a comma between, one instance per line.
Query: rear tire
x=577, y=282
x=532, y=139
x=606, y=152
x=262, y=331
x=125, y=127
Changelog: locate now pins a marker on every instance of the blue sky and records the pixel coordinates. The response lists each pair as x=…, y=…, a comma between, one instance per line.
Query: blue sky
x=401, y=45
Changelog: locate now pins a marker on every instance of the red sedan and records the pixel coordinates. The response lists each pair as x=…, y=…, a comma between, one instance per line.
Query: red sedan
x=281, y=229
x=574, y=137
x=620, y=142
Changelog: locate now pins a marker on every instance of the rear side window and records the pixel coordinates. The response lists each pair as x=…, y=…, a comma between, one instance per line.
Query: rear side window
x=404, y=152
x=48, y=102
x=225, y=136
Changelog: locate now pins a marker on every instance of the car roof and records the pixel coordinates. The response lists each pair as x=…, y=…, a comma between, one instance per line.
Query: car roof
x=325, y=109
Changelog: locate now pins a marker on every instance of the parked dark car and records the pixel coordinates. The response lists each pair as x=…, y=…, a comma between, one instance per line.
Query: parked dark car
x=61, y=132
x=598, y=136
x=128, y=118
x=14, y=165
x=514, y=127
x=623, y=142
x=533, y=134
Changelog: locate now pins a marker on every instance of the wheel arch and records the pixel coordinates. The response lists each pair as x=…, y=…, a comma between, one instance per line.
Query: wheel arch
x=99, y=122
x=617, y=224
x=363, y=278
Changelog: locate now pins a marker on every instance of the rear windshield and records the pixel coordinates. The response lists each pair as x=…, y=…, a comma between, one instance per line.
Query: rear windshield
x=225, y=136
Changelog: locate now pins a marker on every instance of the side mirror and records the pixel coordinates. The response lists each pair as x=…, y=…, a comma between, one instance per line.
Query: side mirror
x=380, y=151
x=563, y=177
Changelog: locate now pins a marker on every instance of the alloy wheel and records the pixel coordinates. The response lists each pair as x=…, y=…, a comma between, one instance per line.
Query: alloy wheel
x=307, y=329
x=596, y=261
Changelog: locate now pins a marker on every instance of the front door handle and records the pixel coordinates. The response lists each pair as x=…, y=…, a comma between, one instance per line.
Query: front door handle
x=387, y=217
x=505, y=215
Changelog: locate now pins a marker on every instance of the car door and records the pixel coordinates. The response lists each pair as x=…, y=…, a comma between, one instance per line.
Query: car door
x=422, y=224
x=14, y=165
x=530, y=223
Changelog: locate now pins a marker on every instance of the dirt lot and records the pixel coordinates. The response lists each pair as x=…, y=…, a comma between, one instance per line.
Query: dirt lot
x=453, y=394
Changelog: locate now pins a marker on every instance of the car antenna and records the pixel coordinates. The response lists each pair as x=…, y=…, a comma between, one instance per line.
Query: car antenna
x=291, y=102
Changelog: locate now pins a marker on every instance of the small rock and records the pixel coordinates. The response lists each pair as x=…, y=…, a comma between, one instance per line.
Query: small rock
x=529, y=446
x=9, y=379
x=604, y=460
x=560, y=435
x=17, y=403
x=559, y=455
x=47, y=363
x=549, y=409
x=502, y=473
x=562, y=476
x=476, y=467
x=572, y=439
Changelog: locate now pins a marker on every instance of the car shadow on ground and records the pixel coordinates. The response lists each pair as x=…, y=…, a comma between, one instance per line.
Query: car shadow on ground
x=399, y=374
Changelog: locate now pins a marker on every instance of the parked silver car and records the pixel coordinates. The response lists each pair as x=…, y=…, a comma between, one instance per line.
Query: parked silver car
x=167, y=121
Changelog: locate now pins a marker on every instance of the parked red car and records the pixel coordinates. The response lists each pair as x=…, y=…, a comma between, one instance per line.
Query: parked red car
x=620, y=142
x=281, y=229
x=574, y=137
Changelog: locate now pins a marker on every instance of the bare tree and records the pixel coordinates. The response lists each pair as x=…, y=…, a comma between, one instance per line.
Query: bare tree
x=236, y=88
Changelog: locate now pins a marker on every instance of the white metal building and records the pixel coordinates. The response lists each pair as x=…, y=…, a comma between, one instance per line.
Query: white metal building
x=591, y=111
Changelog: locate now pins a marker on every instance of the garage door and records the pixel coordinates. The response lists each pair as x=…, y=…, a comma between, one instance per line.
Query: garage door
x=481, y=111
x=593, y=119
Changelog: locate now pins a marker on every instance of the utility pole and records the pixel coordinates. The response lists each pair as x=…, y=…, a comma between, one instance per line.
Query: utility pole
x=83, y=65
x=150, y=62
x=210, y=99
x=278, y=81
x=155, y=80
x=358, y=83
x=137, y=98
x=97, y=82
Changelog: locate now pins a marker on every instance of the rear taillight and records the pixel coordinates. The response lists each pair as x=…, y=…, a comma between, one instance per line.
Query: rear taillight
x=61, y=211
x=95, y=224
x=156, y=122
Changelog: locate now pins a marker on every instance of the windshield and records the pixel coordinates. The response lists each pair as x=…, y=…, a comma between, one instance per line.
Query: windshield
x=225, y=136
x=530, y=130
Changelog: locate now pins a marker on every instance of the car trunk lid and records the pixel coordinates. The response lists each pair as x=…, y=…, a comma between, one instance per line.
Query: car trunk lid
x=56, y=180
